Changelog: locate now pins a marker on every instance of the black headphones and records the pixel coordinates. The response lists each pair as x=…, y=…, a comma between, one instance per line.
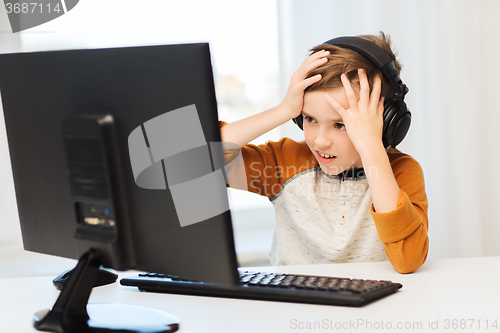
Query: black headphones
x=397, y=117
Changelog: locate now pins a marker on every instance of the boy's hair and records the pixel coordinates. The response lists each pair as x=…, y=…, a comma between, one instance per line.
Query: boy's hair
x=342, y=60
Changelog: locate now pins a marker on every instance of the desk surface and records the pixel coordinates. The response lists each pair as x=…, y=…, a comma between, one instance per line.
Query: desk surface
x=454, y=295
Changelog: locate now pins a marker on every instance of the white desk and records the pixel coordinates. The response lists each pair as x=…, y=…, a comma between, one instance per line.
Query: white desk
x=458, y=295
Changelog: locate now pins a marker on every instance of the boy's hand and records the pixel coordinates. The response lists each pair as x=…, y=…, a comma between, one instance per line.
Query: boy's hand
x=294, y=98
x=364, y=119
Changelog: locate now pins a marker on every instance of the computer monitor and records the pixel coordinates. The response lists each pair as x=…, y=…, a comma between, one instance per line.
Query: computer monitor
x=94, y=138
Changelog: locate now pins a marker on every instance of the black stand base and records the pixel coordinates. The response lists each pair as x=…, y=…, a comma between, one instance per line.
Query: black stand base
x=72, y=314
x=118, y=318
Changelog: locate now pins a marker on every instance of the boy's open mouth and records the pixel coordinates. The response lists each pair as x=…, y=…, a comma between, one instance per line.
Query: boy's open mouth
x=325, y=157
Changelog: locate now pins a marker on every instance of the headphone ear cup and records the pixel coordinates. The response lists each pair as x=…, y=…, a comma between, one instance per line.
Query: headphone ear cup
x=389, y=110
x=402, y=125
x=299, y=121
x=396, y=123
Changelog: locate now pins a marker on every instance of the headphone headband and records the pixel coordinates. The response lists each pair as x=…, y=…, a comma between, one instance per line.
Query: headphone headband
x=378, y=56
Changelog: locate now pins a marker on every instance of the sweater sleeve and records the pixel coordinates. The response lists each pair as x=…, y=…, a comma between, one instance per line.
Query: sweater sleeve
x=269, y=165
x=261, y=167
x=404, y=230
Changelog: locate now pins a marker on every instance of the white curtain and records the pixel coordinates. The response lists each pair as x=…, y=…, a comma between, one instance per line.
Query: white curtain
x=450, y=52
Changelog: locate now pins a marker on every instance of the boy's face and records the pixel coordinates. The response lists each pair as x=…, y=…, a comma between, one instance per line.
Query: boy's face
x=325, y=132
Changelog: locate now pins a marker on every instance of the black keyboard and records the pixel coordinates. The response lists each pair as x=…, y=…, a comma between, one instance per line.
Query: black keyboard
x=273, y=287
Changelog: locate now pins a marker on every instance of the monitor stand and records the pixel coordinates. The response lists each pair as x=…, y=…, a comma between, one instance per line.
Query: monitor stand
x=71, y=313
x=104, y=277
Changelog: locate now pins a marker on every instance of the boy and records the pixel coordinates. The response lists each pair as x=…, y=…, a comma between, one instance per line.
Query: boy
x=340, y=195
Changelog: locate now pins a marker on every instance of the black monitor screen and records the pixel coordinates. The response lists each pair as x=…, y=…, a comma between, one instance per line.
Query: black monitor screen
x=112, y=149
